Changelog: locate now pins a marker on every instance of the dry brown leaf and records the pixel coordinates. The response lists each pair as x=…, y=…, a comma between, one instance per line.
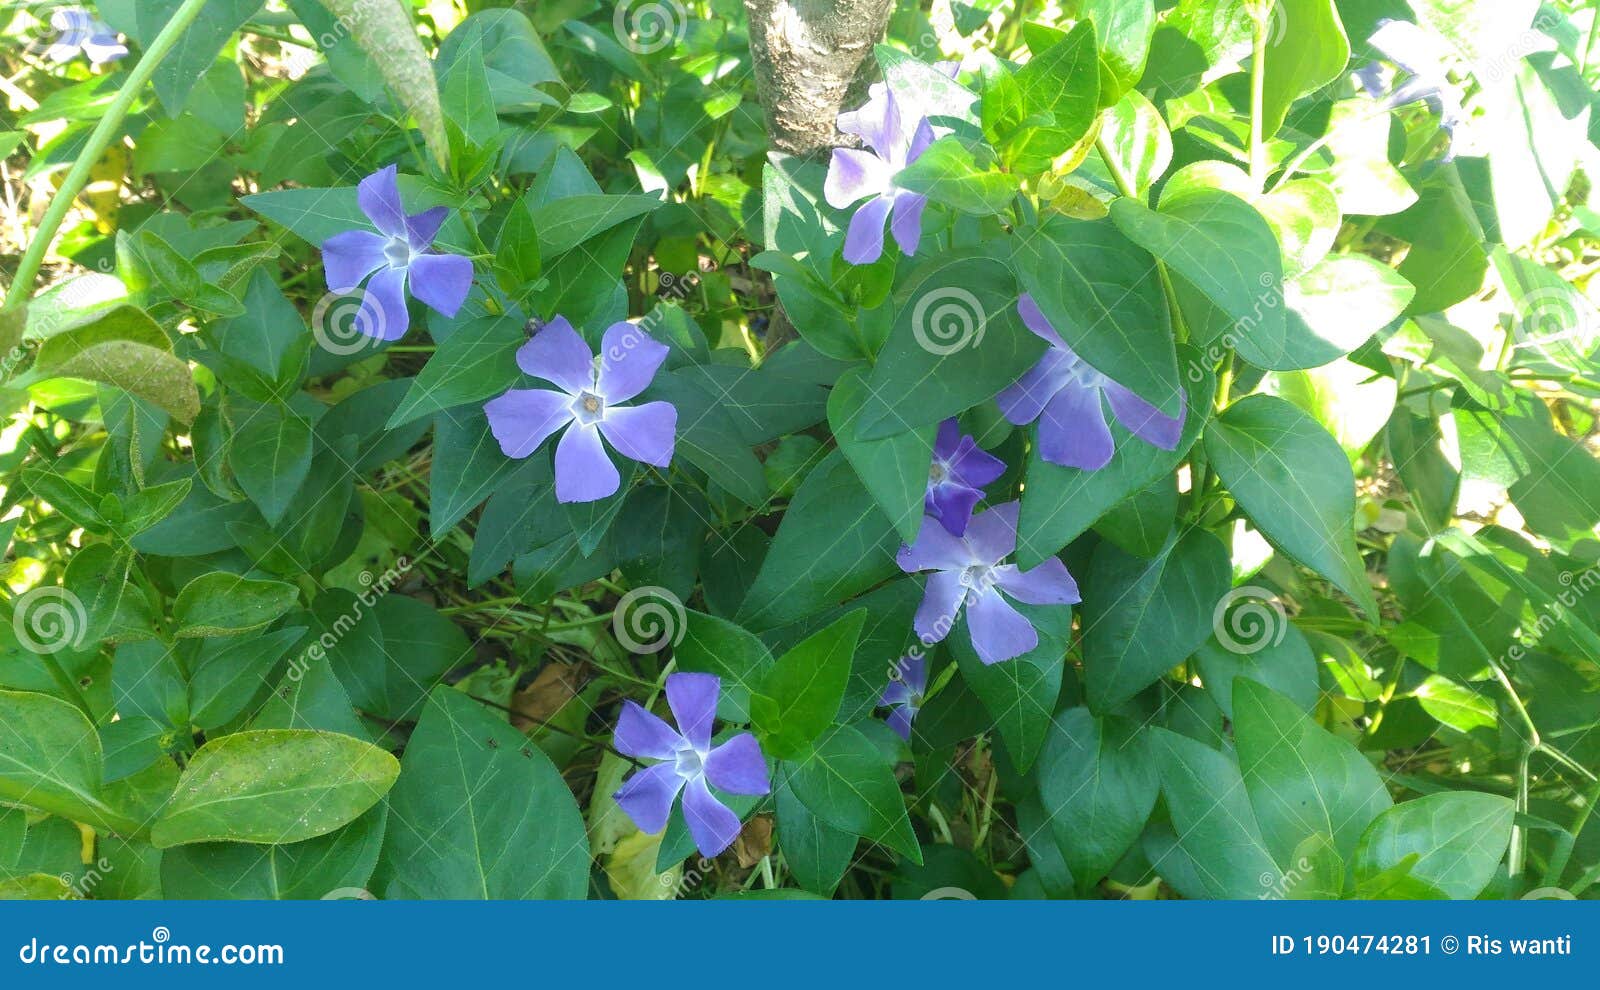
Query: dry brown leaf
x=554, y=686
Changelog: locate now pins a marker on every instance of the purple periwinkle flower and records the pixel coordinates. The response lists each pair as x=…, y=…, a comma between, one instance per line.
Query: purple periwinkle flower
x=1422, y=57
x=591, y=392
x=956, y=477
x=903, y=696
x=688, y=763
x=1063, y=393
x=398, y=257
x=856, y=173
x=968, y=572
x=80, y=31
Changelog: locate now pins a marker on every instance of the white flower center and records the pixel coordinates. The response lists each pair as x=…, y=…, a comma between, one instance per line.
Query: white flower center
x=689, y=763
x=938, y=472
x=977, y=579
x=588, y=408
x=398, y=252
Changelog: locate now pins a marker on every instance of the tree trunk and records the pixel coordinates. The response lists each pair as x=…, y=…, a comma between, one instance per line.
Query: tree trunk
x=808, y=53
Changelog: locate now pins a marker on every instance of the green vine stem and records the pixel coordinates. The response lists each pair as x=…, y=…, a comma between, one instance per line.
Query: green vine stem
x=78, y=176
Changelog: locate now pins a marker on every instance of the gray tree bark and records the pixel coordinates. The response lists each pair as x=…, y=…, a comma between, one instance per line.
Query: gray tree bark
x=808, y=56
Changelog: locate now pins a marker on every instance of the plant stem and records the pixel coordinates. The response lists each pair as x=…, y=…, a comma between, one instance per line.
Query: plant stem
x=78, y=176
x=1126, y=188
x=1258, y=66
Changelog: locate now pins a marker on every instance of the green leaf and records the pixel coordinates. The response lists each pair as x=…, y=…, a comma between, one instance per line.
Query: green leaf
x=816, y=853
x=1295, y=483
x=1227, y=254
x=1020, y=693
x=1337, y=306
x=800, y=695
x=477, y=361
x=1098, y=784
x=270, y=457
x=833, y=544
x=957, y=341
x=1059, y=90
x=1447, y=261
x=479, y=812
x=127, y=349
x=1100, y=292
x=1309, y=52
x=314, y=869
x=708, y=436
x=195, y=52
x=274, y=786
x=1216, y=828
x=1457, y=838
x=1461, y=708
x=1123, y=29
x=1135, y=132
x=468, y=110
x=228, y=673
x=1302, y=779
x=222, y=604
x=1254, y=640
x=389, y=652
x=716, y=646
x=946, y=173
x=567, y=223
x=51, y=760
x=1143, y=617
x=895, y=468
x=849, y=782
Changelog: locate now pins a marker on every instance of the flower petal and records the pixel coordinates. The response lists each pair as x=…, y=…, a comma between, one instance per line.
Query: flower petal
x=713, y=825
x=854, y=174
x=1073, y=430
x=383, y=308
x=1144, y=420
x=441, y=280
x=379, y=197
x=103, y=48
x=423, y=227
x=647, y=433
x=1023, y=402
x=738, y=767
x=1033, y=318
x=999, y=632
x=693, y=700
x=524, y=418
x=947, y=440
x=992, y=535
x=974, y=465
x=863, y=241
x=906, y=221
x=941, y=603
x=350, y=256
x=557, y=354
x=646, y=797
x=952, y=505
x=1047, y=584
x=642, y=733
x=933, y=550
x=584, y=472
x=900, y=720
x=629, y=360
